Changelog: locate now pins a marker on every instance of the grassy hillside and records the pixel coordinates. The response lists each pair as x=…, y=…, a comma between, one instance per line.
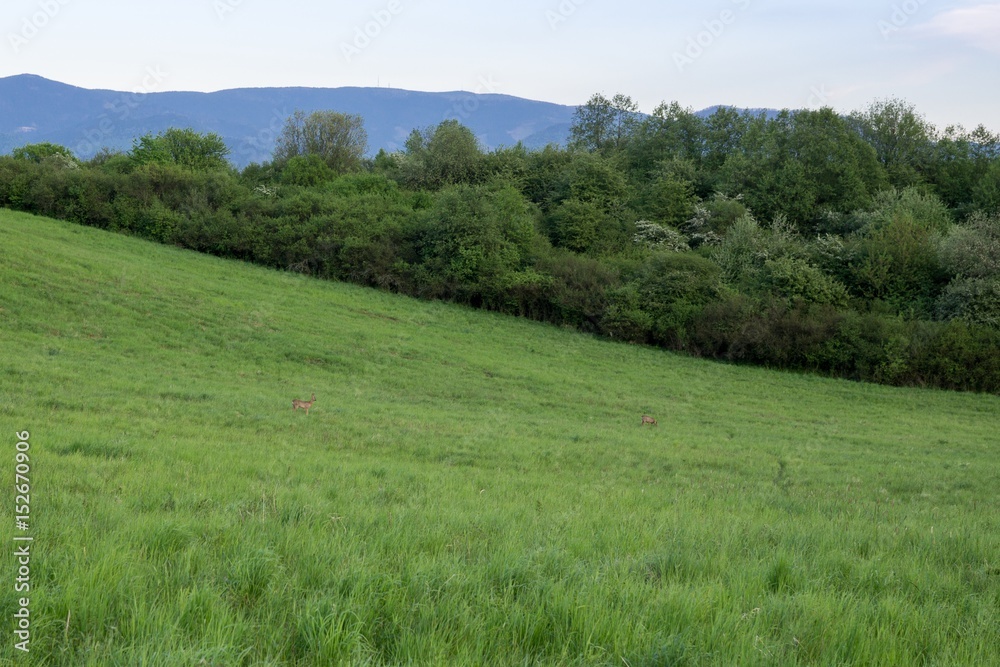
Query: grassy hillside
x=467, y=489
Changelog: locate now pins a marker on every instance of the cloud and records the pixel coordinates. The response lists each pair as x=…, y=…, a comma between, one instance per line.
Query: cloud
x=978, y=26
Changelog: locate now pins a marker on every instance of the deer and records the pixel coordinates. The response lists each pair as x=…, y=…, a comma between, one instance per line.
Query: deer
x=646, y=419
x=305, y=405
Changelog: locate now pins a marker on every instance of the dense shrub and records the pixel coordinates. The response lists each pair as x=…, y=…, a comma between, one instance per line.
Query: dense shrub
x=673, y=288
x=578, y=292
x=795, y=280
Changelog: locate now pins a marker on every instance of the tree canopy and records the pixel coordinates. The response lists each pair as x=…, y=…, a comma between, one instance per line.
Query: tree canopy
x=185, y=148
x=339, y=139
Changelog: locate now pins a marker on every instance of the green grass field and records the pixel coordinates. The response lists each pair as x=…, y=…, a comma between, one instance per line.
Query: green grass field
x=468, y=489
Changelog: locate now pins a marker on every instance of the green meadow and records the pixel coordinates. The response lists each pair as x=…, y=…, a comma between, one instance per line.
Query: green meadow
x=467, y=489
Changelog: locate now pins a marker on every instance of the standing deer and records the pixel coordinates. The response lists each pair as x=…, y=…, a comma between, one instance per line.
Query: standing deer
x=646, y=419
x=305, y=405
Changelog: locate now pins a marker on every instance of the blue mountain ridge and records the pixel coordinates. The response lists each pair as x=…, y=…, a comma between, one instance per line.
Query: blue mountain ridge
x=34, y=109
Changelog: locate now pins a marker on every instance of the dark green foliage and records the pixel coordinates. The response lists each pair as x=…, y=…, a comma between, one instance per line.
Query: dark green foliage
x=578, y=292
x=975, y=300
x=666, y=197
x=986, y=191
x=748, y=247
x=958, y=355
x=544, y=174
x=670, y=131
x=626, y=317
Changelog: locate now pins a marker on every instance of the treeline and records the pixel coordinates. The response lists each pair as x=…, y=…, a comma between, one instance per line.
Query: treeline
x=865, y=247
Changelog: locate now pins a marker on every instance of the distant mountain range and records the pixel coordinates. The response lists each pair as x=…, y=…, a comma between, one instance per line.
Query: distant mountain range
x=34, y=109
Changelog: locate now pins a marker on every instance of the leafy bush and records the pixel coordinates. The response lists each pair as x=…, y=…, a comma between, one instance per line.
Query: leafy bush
x=747, y=247
x=973, y=250
x=973, y=300
x=924, y=210
x=578, y=292
x=625, y=317
x=899, y=264
x=711, y=219
x=575, y=224
x=796, y=280
x=673, y=288
x=306, y=170
x=657, y=236
x=185, y=148
x=470, y=239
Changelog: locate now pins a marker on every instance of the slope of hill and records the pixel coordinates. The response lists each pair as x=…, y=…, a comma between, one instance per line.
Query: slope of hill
x=34, y=109
x=467, y=488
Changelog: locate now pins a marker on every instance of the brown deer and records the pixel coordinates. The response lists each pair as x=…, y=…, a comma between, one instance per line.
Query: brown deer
x=646, y=419
x=305, y=405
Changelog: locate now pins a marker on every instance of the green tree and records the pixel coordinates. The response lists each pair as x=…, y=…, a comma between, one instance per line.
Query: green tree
x=339, y=139
x=712, y=218
x=901, y=137
x=673, y=288
x=802, y=163
x=896, y=261
x=670, y=133
x=747, y=247
x=964, y=168
x=576, y=224
x=594, y=217
x=447, y=154
x=43, y=151
x=797, y=281
x=986, y=192
x=666, y=196
x=474, y=242
x=604, y=125
x=926, y=210
x=184, y=148
x=725, y=132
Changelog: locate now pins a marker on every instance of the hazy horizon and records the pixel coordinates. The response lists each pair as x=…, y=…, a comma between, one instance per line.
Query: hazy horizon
x=744, y=53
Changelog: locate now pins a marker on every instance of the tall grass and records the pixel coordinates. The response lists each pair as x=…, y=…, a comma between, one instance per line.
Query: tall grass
x=467, y=489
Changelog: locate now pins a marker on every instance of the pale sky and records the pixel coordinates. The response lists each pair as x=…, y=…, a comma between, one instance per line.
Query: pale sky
x=944, y=57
